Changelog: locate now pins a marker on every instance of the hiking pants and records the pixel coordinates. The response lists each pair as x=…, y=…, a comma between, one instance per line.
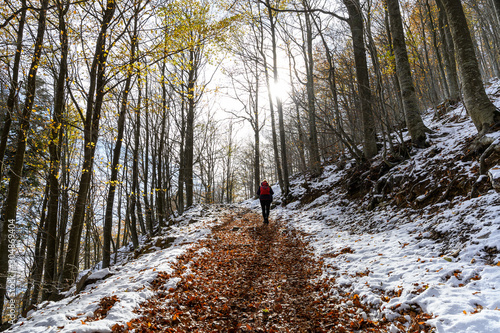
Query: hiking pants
x=266, y=206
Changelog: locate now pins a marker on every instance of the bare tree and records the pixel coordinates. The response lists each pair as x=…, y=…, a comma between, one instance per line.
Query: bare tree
x=95, y=95
x=416, y=126
x=480, y=108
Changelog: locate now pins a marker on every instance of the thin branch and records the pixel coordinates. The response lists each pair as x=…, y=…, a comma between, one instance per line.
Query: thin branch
x=312, y=10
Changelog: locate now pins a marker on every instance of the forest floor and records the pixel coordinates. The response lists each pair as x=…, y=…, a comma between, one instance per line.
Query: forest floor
x=252, y=277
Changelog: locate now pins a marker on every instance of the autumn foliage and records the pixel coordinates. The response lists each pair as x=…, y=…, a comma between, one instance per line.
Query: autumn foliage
x=250, y=277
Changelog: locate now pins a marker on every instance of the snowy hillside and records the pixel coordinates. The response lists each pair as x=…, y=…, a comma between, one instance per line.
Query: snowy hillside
x=122, y=287
x=437, y=249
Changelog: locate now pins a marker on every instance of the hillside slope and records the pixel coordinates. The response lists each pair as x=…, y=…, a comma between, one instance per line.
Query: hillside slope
x=423, y=233
x=110, y=297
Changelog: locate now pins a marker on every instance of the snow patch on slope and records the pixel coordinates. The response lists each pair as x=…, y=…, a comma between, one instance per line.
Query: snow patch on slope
x=442, y=258
x=130, y=281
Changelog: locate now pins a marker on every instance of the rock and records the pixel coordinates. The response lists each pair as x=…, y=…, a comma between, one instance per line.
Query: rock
x=81, y=283
x=494, y=174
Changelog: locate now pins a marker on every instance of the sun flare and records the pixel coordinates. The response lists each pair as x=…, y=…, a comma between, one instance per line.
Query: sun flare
x=280, y=90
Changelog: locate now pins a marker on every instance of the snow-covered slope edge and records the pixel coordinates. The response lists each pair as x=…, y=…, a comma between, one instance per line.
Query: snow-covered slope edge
x=437, y=249
x=128, y=281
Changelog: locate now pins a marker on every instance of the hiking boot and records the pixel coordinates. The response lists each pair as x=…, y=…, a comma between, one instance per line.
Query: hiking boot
x=266, y=220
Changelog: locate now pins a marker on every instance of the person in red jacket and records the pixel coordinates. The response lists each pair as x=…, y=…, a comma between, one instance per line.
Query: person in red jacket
x=265, y=193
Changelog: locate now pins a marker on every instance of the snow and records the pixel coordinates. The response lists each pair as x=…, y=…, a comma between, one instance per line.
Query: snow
x=450, y=278
x=101, y=274
x=129, y=280
x=399, y=259
x=435, y=258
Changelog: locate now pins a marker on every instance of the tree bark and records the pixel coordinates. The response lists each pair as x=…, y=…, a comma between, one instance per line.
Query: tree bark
x=55, y=145
x=113, y=181
x=449, y=54
x=64, y=215
x=435, y=45
x=480, y=108
x=496, y=3
x=189, y=147
x=314, y=158
x=416, y=126
x=145, y=163
x=256, y=128
x=13, y=90
x=9, y=211
x=357, y=30
x=160, y=194
x=41, y=246
x=279, y=103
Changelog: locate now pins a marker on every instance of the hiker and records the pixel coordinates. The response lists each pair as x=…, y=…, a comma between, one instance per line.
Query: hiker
x=265, y=193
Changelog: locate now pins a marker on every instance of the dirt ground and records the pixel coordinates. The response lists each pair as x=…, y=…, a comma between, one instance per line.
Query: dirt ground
x=252, y=277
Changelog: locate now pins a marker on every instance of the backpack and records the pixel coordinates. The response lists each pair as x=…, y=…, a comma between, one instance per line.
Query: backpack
x=265, y=190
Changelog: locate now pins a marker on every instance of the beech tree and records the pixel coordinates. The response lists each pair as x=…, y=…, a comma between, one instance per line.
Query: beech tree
x=357, y=30
x=416, y=126
x=14, y=86
x=130, y=71
x=55, y=146
x=480, y=108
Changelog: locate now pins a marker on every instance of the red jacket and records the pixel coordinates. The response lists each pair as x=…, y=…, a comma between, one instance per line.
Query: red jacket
x=265, y=192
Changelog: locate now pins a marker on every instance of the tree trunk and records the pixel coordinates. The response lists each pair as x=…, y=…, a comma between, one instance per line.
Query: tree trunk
x=449, y=55
x=496, y=4
x=55, y=145
x=91, y=133
x=64, y=217
x=40, y=248
x=135, y=165
x=256, y=161
x=13, y=90
x=145, y=163
x=160, y=194
x=113, y=181
x=189, y=147
x=486, y=42
x=260, y=48
x=9, y=211
x=279, y=103
x=395, y=81
x=273, y=130
x=344, y=138
x=314, y=158
x=432, y=84
x=435, y=43
x=480, y=108
x=416, y=126
x=357, y=31
x=182, y=163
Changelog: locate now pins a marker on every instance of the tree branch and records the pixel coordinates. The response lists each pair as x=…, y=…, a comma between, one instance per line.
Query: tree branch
x=312, y=10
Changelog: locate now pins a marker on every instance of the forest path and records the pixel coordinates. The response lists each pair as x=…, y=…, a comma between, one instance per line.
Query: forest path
x=251, y=277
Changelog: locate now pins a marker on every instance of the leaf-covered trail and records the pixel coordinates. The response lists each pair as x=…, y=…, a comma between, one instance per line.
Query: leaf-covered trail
x=251, y=277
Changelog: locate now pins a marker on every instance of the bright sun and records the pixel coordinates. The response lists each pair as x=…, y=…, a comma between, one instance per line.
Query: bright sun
x=279, y=89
